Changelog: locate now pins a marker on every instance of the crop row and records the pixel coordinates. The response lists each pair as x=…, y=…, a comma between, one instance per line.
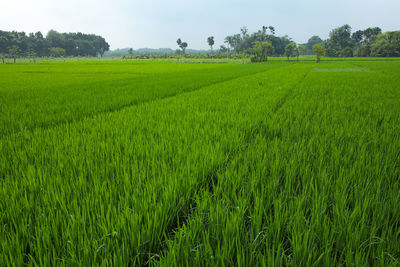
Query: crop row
x=318, y=186
x=113, y=187
x=289, y=166
x=45, y=95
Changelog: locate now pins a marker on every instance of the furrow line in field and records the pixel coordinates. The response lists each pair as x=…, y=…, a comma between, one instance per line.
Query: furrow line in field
x=287, y=95
x=45, y=126
x=211, y=180
x=253, y=133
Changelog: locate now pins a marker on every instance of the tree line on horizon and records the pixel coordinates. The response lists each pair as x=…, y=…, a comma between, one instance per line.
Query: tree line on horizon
x=16, y=44
x=258, y=45
x=341, y=43
x=263, y=43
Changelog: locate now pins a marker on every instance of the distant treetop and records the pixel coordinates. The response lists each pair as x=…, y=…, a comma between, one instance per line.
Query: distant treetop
x=73, y=44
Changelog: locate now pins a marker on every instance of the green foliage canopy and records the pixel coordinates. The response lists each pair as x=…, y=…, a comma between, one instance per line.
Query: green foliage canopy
x=74, y=44
x=261, y=51
x=210, y=41
x=319, y=51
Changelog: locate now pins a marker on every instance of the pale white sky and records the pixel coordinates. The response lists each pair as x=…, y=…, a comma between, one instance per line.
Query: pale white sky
x=155, y=23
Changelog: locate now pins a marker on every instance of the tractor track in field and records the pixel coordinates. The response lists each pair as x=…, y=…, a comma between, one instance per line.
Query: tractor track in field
x=211, y=179
x=46, y=126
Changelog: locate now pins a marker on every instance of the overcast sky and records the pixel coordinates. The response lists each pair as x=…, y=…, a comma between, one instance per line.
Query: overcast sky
x=156, y=23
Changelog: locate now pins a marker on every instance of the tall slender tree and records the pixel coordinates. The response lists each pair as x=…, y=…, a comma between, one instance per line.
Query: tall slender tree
x=210, y=41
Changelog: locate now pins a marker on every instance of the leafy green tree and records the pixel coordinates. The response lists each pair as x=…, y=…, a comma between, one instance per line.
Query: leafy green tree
x=238, y=42
x=32, y=54
x=102, y=50
x=312, y=41
x=210, y=41
x=182, y=45
x=4, y=42
x=263, y=33
x=57, y=52
x=100, y=45
x=272, y=30
x=75, y=44
x=370, y=34
x=84, y=48
x=319, y=51
x=41, y=45
x=363, y=40
x=14, y=51
x=290, y=50
x=362, y=51
x=244, y=32
x=387, y=45
x=55, y=39
x=339, y=38
x=329, y=51
x=261, y=51
x=346, y=52
x=223, y=49
x=244, y=40
x=38, y=35
x=2, y=59
x=229, y=41
x=130, y=52
x=301, y=50
x=357, y=37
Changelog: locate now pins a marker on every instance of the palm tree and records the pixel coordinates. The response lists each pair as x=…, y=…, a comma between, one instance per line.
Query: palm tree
x=210, y=41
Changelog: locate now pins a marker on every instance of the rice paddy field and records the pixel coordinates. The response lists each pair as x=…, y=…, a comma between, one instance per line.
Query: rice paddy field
x=177, y=163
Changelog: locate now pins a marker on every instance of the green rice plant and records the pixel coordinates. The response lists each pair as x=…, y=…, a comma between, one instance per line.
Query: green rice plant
x=318, y=185
x=269, y=165
x=45, y=95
